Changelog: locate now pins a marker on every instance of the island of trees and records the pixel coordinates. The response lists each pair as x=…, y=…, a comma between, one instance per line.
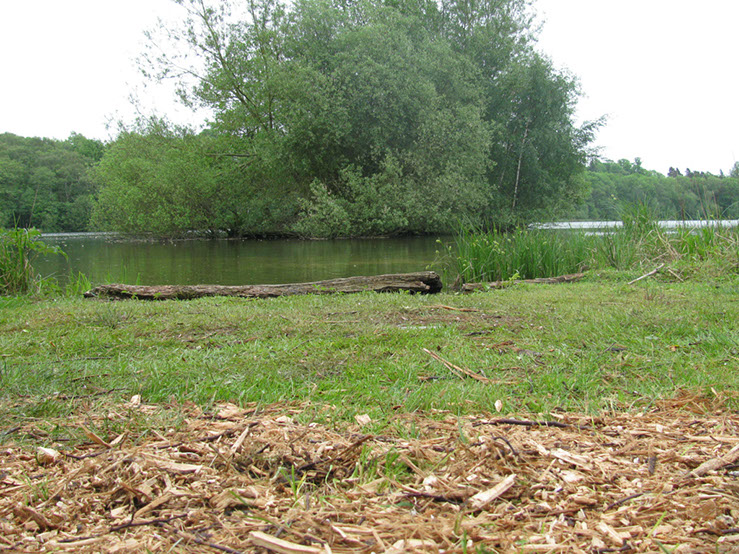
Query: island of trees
x=346, y=118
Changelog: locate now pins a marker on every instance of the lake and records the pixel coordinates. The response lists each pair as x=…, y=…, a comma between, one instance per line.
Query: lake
x=109, y=259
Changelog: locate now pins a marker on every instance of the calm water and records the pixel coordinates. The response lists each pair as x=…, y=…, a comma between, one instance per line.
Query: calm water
x=229, y=262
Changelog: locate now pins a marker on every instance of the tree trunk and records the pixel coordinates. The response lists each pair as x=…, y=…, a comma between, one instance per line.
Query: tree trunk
x=518, y=169
x=424, y=282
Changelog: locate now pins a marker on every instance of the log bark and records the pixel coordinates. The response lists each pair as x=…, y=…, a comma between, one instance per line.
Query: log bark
x=472, y=287
x=423, y=282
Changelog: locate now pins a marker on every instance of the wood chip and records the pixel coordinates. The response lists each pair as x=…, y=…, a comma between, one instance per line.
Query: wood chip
x=484, y=498
x=281, y=546
x=323, y=487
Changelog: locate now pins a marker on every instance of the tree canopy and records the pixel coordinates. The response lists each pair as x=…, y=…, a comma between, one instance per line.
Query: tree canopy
x=351, y=117
x=46, y=183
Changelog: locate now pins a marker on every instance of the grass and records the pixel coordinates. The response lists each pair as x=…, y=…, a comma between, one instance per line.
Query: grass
x=528, y=253
x=590, y=346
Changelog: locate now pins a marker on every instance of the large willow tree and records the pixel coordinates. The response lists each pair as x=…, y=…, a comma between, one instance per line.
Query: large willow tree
x=344, y=117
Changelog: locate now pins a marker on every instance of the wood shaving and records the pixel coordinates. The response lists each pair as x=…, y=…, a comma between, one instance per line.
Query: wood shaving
x=256, y=480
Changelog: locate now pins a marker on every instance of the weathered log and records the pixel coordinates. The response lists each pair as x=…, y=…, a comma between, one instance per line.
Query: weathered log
x=424, y=282
x=472, y=287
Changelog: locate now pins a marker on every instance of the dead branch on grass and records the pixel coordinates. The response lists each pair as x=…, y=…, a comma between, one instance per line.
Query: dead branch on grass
x=653, y=272
x=458, y=371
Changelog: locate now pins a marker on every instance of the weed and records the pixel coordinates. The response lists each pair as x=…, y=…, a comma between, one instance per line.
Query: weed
x=18, y=247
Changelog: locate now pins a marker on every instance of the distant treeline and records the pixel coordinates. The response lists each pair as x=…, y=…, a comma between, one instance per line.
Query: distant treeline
x=678, y=195
x=54, y=185
x=47, y=183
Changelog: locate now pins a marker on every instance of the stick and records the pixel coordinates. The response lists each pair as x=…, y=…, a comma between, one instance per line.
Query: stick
x=484, y=498
x=445, y=307
x=115, y=528
x=655, y=270
x=193, y=538
x=459, y=371
x=619, y=502
x=716, y=463
x=558, y=424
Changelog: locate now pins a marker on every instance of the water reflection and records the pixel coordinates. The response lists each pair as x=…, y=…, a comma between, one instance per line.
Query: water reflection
x=229, y=262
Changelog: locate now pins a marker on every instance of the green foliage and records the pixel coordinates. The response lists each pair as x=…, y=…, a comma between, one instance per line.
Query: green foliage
x=334, y=119
x=616, y=185
x=169, y=181
x=540, y=152
x=45, y=183
x=18, y=247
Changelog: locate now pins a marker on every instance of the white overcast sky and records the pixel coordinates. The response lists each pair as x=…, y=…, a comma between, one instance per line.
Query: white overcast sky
x=663, y=71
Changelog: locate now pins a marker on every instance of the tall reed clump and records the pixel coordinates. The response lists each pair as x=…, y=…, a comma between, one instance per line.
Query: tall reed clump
x=521, y=254
x=531, y=253
x=18, y=247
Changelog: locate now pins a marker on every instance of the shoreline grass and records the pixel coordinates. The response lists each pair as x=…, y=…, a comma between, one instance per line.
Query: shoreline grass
x=530, y=253
x=18, y=247
x=592, y=346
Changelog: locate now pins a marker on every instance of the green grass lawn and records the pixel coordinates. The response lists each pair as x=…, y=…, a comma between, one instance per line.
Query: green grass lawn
x=591, y=346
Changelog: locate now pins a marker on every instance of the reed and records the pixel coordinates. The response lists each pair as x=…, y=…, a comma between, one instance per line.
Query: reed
x=532, y=253
x=524, y=254
x=18, y=247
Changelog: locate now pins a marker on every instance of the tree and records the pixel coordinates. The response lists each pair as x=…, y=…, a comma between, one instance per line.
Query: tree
x=540, y=152
x=46, y=183
x=370, y=116
x=161, y=179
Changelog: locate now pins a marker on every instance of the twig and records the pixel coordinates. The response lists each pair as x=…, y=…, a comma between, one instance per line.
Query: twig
x=128, y=525
x=226, y=433
x=435, y=497
x=356, y=444
x=145, y=523
x=10, y=431
x=459, y=371
x=655, y=270
x=623, y=500
x=445, y=307
x=716, y=463
x=279, y=545
x=558, y=424
x=505, y=440
x=484, y=498
x=193, y=538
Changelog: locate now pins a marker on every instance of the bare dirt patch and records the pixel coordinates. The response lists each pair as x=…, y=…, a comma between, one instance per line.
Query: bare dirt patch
x=247, y=479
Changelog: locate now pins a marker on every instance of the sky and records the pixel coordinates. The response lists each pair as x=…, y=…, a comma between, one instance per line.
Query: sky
x=662, y=71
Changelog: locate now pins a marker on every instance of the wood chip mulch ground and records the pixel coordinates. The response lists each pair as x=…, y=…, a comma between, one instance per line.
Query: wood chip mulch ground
x=247, y=480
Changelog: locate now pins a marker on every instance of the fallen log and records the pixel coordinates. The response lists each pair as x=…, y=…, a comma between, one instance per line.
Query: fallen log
x=472, y=287
x=423, y=282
